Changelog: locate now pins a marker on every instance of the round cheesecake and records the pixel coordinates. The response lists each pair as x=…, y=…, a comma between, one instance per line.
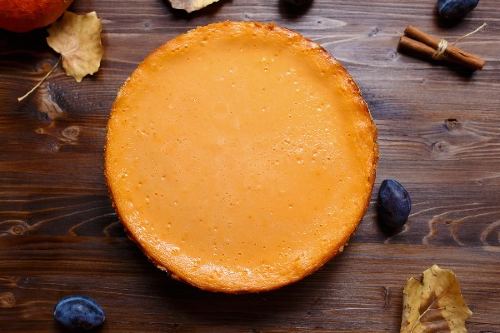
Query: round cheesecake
x=240, y=156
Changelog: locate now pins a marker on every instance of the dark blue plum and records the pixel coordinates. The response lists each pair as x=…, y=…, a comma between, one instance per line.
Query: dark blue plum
x=394, y=204
x=455, y=9
x=79, y=313
x=298, y=3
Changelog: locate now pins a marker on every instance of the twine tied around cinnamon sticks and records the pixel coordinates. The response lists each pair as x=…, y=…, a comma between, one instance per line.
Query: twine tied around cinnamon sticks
x=441, y=49
x=422, y=44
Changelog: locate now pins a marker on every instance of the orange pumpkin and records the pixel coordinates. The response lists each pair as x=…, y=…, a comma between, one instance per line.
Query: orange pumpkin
x=27, y=15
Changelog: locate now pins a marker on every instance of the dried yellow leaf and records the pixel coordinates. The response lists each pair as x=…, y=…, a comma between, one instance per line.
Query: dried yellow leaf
x=434, y=303
x=191, y=5
x=78, y=39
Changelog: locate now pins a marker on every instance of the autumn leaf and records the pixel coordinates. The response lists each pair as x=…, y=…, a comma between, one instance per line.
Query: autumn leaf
x=191, y=5
x=434, y=303
x=78, y=39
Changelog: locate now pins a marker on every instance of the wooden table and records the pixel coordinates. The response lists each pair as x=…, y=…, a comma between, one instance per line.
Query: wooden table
x=439, y=134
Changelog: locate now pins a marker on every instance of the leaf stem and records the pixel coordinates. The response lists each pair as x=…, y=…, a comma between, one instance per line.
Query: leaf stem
x=20, y=99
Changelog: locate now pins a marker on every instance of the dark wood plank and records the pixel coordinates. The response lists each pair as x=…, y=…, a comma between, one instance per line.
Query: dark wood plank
x=439, y=134
x=363, y=284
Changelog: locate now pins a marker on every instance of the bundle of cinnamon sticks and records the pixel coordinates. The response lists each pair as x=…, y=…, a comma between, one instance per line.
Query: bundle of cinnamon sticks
x=417, y=42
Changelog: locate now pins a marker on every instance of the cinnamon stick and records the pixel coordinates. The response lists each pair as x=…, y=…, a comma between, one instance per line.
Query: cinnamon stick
x=416, y=47
x=426, y=45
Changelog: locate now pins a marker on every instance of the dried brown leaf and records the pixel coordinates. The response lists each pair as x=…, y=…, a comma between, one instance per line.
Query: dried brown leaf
x=191, y=5
x=434, y=303
x=78, y=39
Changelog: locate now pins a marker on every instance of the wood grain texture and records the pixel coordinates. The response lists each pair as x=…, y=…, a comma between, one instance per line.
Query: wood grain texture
x=439, y=135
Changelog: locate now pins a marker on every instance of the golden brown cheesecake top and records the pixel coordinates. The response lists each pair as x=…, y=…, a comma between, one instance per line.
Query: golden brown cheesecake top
x=240, y=156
